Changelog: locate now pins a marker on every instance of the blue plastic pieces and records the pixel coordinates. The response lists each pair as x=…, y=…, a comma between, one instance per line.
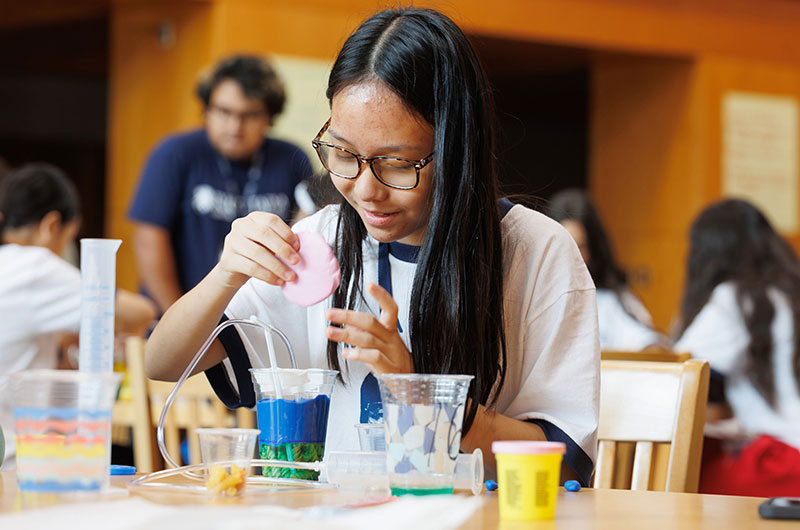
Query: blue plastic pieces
x=122, y=470
x=491, y=485
x=572, y=485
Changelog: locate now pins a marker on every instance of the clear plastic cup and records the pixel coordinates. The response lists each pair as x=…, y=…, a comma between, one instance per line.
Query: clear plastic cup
x=226, y=454
x=371, y=436
x=62, y=420
x=423, y=415
x=292, y=413
x=528, y=473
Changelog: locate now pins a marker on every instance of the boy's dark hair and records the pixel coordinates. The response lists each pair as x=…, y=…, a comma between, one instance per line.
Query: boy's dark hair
x=254, y=74
x=32, y=191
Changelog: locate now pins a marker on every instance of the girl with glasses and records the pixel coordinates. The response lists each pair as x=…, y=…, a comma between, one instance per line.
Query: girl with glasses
x=437, y=274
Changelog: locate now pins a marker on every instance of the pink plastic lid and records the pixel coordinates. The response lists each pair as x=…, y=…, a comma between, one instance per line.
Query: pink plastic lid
x=317, y=271
x=523, y=447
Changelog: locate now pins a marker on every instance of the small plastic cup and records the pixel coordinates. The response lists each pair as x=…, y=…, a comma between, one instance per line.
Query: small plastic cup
x=62, y=420
x=226, y=454
x=423, y=415
x=292, y=413
x=371, y=436
x=528, y=474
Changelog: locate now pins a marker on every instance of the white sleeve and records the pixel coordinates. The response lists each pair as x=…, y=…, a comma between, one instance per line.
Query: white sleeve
x=55, y=295
x=621, y=331
x=718, y=333
x=561, y=385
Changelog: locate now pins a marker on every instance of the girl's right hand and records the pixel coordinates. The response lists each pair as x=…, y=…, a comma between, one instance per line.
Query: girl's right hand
x=251, y=248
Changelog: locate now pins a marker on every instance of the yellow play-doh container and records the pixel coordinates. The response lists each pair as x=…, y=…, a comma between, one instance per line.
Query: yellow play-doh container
x=527, y=475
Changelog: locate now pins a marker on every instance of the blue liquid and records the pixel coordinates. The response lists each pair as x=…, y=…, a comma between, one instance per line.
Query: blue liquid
x=292, y=430
x=292, y=421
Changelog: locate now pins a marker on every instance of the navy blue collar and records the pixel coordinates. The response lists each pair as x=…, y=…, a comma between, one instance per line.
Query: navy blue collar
x=403, y=252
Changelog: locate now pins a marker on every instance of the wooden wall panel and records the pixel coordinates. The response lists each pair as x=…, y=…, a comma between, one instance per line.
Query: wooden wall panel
x=647, y=167
x=150, y=95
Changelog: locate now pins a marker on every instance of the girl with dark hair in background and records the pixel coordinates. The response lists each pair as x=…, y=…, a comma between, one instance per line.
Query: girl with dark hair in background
x=437, y=275
x=40, y=293
x=741, y=312
x=624, y=322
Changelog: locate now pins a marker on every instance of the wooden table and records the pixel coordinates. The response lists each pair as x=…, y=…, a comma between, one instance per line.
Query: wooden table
x=586, y=509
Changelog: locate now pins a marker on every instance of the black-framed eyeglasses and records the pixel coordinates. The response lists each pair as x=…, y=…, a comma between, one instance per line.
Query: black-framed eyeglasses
x=397, y=173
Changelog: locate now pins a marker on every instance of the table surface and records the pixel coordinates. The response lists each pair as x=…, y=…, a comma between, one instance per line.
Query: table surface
x=588, y=508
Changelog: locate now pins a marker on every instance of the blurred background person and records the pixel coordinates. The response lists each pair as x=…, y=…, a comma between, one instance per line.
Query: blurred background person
x=40, y=293
x=195, y=184
x=741, y=312
x=624, y=322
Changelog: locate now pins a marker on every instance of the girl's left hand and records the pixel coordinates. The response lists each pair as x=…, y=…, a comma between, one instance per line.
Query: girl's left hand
x=374, y=341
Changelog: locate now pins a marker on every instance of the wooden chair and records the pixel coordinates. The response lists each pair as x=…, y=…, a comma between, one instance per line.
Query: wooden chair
x=195, y=406
x=653, y=355
x=650, y=429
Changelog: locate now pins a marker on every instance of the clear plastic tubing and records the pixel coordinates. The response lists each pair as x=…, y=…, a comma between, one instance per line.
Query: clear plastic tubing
x=368, y=470
x=253, y=321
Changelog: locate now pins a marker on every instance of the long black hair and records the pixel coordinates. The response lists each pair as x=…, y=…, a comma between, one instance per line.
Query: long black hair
x=32, y=191
x=732, y=241
x=456, y=309
x=574, y=205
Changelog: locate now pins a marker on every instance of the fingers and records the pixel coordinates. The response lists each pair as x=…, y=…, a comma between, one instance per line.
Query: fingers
x=261, y=257
x=360, y=321
x=256, y=245
x=369, y=339
x=354, y=336
x=272, y=233
x=370, y=356
x=387, y=304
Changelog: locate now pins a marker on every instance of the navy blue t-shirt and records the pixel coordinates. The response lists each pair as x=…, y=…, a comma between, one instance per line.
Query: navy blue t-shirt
x=189, y=189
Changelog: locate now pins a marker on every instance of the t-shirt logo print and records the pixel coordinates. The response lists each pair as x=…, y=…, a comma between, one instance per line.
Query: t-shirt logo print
x=214, y=203
x=223, y=206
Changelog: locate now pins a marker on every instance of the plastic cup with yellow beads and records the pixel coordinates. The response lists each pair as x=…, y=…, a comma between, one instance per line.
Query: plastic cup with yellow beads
x=226, y=454
x=528, y=473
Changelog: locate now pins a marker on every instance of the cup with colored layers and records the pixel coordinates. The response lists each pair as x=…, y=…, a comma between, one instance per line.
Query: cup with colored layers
x=423, y=415
x=226, y=454
x=62, y=420
x=528, y=474
x=292, y=413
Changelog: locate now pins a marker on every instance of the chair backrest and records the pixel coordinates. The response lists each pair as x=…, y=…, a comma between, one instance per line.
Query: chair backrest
x=653, y=355
x=650, y=430
x=196, y=405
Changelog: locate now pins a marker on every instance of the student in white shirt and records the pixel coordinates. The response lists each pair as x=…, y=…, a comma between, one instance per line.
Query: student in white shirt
x=445, y=278
x=624, y=322
x=741, y=312
x=40, y=291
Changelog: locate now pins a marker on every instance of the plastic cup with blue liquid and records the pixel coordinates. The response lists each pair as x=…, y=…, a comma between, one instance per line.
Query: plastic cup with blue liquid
x=292, y=414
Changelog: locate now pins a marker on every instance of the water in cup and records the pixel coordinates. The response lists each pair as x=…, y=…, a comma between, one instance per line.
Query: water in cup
x=423, y=416
x=292, y=413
